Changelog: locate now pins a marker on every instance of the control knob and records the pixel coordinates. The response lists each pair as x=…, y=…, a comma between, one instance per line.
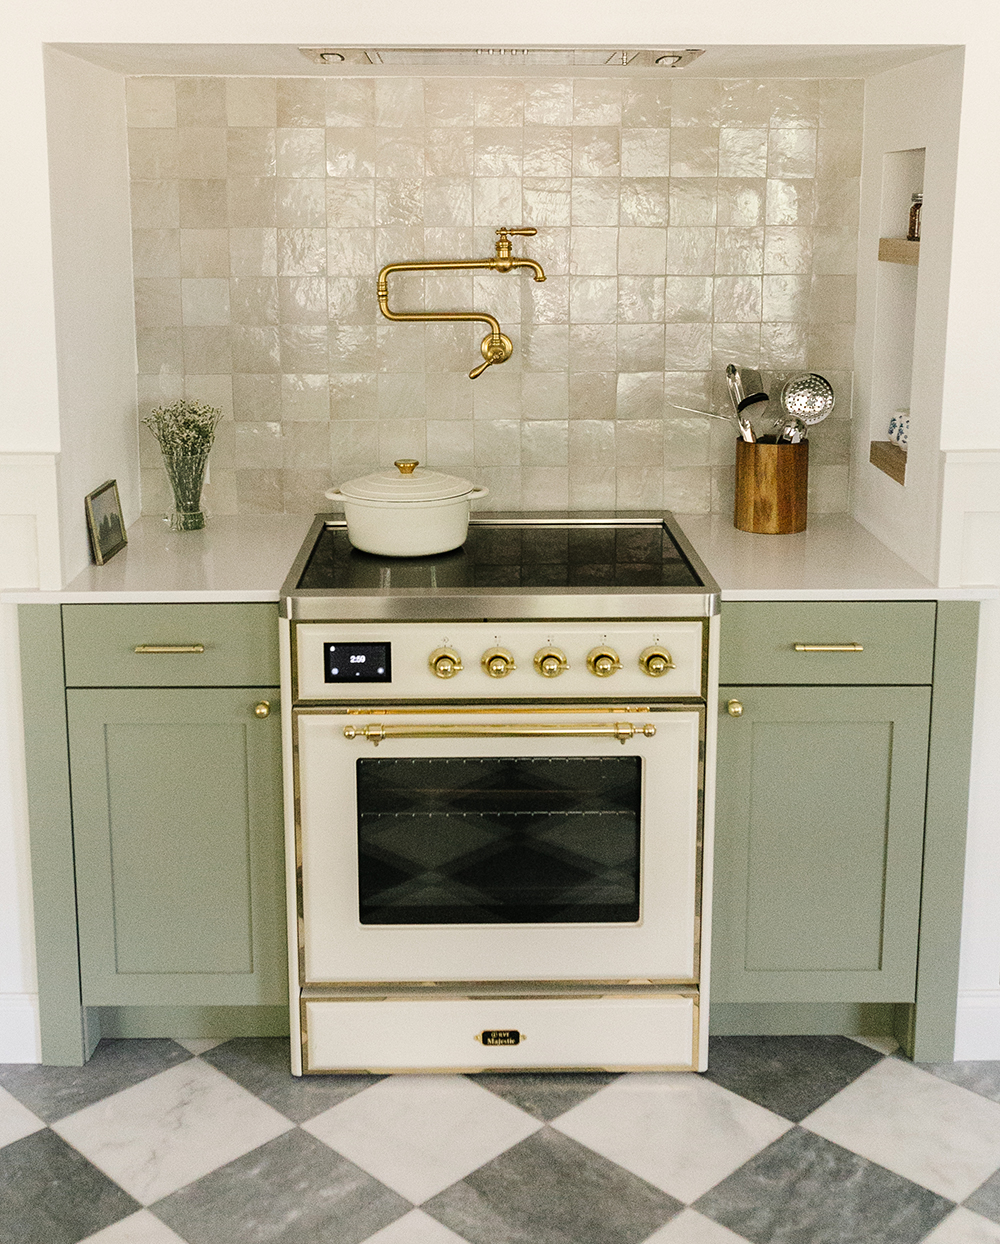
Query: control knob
x=445, y=662
x=655, y=661
x=603, y=662
x=550, y=662
x=498, y=662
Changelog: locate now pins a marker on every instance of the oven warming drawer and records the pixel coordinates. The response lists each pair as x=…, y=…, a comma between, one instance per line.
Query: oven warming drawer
x=615, y=1033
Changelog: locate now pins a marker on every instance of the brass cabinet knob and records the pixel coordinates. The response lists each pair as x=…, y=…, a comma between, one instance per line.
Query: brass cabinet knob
x=498, y=662
x=263, y=709
x=445, y=662
x=603, y=662
x=655, y=661
x=550, y=662
x=734, y=708
x=406, y=466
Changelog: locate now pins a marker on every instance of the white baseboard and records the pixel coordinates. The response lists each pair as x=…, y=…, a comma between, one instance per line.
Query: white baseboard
x=977, y=1031
x=19, y=1040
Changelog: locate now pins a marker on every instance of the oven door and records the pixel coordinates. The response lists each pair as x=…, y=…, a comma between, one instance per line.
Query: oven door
x=474, y=845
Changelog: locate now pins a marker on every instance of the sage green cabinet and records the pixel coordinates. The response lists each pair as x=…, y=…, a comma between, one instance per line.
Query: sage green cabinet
x=177, y=831
x=819, y=843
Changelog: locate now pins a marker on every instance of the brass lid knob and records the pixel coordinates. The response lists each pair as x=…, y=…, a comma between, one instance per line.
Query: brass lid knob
x=406, y=465
x=498, y=662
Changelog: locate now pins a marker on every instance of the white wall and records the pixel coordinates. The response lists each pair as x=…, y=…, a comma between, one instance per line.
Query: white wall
x=29, y=419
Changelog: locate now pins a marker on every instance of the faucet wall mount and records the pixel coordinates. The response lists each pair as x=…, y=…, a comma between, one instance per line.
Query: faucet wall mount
x=496, y=347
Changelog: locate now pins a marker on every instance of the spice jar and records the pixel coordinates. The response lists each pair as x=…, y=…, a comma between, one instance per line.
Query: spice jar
x=913, y=229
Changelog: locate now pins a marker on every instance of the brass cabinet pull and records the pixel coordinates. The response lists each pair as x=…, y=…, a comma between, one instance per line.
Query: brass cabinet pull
x=263, y=709
x=829, y=647
x=145, y=649
x=620, y=730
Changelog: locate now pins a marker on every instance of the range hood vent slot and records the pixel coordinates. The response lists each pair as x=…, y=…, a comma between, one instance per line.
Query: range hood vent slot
x=503, y=58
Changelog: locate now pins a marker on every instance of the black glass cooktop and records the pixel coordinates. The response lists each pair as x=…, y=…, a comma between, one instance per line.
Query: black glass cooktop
x=619, y=554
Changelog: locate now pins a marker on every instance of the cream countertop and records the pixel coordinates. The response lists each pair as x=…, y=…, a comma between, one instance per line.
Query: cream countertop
x=246, y=558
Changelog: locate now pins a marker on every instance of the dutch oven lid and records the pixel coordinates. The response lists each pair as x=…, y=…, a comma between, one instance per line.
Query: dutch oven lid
x=409, y=482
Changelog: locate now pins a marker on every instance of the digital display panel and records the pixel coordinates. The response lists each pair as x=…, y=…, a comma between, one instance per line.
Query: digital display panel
x=357, y=662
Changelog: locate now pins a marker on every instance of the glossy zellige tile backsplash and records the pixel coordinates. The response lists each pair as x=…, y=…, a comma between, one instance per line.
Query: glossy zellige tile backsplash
x=682, y=225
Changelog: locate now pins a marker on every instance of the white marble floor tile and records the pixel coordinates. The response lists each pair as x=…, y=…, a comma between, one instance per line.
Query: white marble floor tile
x=680, y=1132
x=416, y=1228
x=157, y=1136
x=198, y=1045
x=962, y=1226
x=690, y=1227
x=420, y=1134
x=141, y=1228
x=911, y=1122
x=16, y=1121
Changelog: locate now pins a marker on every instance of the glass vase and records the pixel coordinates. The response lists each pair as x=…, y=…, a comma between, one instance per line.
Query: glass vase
x=186, y=472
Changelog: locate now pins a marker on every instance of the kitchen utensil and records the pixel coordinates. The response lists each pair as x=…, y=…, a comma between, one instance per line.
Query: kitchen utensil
x=746, y=430
x=792, y=430
x=409, y=512
x=809, y=397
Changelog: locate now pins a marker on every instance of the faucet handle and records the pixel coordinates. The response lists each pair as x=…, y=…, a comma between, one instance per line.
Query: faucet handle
x=524, y=233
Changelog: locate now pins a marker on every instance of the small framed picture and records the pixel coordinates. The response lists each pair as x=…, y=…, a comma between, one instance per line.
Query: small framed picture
x=104, y=521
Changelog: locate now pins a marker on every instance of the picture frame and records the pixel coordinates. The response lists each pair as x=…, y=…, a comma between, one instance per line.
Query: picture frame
x=104, y=522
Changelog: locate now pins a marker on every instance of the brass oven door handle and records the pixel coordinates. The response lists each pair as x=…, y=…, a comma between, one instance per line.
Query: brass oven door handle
x=144, y=649
x=620, y=730
x=829, y=647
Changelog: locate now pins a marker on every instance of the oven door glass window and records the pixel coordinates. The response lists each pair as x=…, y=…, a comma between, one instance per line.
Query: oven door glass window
x=499, y=840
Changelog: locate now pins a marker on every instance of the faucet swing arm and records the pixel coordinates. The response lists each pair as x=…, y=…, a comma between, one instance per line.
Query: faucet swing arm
x=496, y=347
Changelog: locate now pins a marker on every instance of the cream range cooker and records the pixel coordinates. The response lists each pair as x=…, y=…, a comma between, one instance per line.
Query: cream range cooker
x=498, y=798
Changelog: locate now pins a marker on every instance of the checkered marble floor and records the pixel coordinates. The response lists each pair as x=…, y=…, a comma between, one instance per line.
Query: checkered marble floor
x=795, y=1140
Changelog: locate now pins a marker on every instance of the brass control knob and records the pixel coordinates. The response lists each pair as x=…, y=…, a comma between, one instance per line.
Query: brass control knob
x=603, y=662
x=498, y=662
x=655, y=661
x=445, y=662
x=550, y=662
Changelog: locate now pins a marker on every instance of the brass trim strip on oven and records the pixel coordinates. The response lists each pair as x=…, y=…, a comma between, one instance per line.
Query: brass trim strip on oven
x=377, y=731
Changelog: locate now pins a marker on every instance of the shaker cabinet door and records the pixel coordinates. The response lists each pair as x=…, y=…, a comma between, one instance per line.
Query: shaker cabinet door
x=818, y=843
x=177, y=829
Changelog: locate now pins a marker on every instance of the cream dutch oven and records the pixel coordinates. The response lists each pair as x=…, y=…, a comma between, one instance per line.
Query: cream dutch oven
x=409, y=512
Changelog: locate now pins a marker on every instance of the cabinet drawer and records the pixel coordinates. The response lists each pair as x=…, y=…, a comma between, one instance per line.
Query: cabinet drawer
x=896, y=641
x=239, y=642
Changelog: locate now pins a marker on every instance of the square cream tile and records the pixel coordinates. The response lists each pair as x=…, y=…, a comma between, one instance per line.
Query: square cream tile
x=962, y=1226
x=420, y=1134
x=681, y=1133
x=141, y=1228
x=418, y=1228
x=16, y=1121
x=690, y=1227
x=937, y=1134
x=157, y=1136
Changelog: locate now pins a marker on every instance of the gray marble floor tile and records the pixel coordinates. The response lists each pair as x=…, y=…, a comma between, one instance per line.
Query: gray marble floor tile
x=293, y=1190
x=260, y=1065
x=790, y=1075
x=803, y=1188
x=50, y=1194
x=979, y=1077
x=986, y=1199
x=546, y=1095
x=54, y=1092
x=551, y=1190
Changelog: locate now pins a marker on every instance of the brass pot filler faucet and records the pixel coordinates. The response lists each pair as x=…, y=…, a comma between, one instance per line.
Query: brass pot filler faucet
x=496, y=347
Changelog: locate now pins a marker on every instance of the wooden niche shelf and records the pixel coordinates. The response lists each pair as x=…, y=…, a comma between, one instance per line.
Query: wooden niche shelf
x=899, y=250
x=888, y=457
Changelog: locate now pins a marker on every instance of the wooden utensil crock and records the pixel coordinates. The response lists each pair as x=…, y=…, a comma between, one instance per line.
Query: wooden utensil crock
x=771, y=486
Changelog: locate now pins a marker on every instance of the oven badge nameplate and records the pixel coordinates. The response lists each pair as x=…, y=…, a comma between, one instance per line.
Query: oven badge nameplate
x=500, y=1036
